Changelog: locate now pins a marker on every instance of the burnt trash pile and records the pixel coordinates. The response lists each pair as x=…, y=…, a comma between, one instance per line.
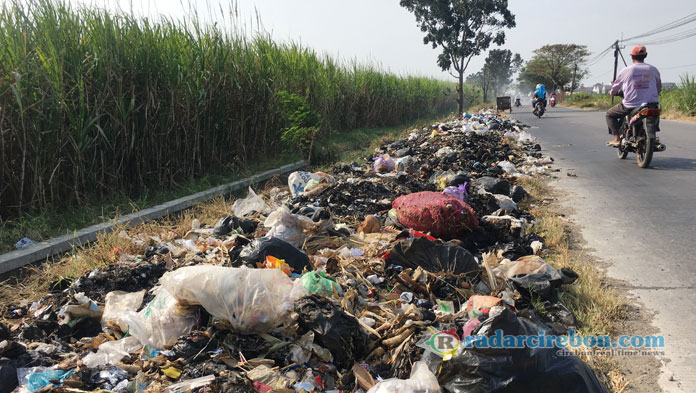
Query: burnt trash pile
x=381, y=276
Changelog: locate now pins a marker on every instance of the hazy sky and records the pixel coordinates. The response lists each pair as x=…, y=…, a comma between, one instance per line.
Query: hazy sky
x=381, y=31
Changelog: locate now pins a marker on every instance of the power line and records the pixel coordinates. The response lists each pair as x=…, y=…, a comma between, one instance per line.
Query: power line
x=669, y=26
x=675, y=67
x=672, y=38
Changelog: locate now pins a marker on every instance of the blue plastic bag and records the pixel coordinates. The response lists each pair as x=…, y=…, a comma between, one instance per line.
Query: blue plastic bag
x=38, y=381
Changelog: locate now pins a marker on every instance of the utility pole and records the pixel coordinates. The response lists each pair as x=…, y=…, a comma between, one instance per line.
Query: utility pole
x=616, y=59
x=616, y=64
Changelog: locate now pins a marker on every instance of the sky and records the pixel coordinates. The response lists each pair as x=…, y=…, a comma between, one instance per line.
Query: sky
x=381, y=31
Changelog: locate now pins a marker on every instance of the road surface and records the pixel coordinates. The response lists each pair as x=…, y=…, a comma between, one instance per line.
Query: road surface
x=641, y=221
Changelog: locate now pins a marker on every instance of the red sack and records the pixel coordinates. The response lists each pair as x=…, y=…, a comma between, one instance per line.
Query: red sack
x=442, y=215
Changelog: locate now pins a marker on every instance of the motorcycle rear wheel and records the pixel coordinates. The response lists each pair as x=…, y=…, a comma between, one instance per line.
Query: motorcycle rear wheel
x=644, y=152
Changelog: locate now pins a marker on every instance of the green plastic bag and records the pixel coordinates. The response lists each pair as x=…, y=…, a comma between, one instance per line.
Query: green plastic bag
x=316, y=282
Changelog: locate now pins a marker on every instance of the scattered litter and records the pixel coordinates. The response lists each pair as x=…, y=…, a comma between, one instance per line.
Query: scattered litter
x=23, y=243
x=333, y=283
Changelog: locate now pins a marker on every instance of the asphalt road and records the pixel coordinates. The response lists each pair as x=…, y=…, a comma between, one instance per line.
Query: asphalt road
x=641, y=221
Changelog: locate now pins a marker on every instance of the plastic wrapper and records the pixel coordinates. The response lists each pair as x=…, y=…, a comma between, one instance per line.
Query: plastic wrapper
x=287, y=226
x=480, y=304
x=252, y=300
x=190, y=384
x=275, y=263
x=384, y=163
x=252, y=203
x=297, y=181
x=441, y=180
x=442, y=215
x=118, y=302
x=422, y=380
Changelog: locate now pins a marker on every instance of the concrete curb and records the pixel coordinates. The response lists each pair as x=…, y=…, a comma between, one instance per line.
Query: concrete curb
x=42, y=250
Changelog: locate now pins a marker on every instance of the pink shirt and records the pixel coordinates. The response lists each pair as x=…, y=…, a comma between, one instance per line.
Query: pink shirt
x=640, y=83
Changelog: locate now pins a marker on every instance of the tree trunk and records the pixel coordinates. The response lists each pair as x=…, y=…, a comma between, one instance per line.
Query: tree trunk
x=460, y=93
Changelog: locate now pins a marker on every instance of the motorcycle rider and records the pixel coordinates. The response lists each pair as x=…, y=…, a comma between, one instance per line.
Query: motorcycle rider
x=640, y=83
x=517, y=100
x=540, y=94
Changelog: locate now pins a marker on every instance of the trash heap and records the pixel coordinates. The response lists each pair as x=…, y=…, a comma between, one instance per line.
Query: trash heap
x=341, y=282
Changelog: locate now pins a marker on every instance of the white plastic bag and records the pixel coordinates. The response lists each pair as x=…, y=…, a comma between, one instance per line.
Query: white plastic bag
x=525, y=137
x=287, y=226
x=253, y=202
x=161, y=322
x=421, y=381
x=505, y=202
x=507, y=166
x=252, y=300
x=118, y=302
x=112, y=352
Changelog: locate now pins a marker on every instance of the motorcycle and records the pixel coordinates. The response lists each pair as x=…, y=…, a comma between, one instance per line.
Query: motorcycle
x=552, y=101
x=539, y=109
x=637, y=133
x=517, y=103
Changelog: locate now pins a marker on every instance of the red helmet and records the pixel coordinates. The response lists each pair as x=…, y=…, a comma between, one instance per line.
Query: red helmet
x=639, y=50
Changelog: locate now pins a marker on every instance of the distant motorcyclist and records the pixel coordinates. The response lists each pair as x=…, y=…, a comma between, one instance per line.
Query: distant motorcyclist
x=640, y=83
x=539, y=94
x=517, y=100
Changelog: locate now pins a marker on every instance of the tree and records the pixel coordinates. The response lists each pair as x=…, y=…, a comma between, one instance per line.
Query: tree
x=496, y=72
x=482, y=80
x=463, y=29
x=502, y=64
x=557, y=66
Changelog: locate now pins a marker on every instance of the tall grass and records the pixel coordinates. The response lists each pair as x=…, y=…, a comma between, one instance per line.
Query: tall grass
x=682, y=99
x=93, y=101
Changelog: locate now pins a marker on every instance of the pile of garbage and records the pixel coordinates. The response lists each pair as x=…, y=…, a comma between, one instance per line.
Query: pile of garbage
x=370, y=278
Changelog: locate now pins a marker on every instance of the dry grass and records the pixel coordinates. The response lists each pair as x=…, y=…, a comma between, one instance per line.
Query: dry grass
x=597, y=307
x=31, y=283
x=671, y=114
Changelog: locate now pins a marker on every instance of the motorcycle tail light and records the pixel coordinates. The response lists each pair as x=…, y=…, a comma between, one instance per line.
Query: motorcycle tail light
x=650, y=112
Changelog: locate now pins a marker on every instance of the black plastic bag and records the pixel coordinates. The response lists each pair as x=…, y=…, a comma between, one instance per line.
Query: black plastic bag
x=433, y=257
x=510, y=370
x=257, y=251
x=333, y=329
x=542, y=285
x=230, y=224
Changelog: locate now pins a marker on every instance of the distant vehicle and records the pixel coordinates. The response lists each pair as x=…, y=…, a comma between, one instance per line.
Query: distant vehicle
x=552, y=101
x=539, y=107
x=517, y=102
